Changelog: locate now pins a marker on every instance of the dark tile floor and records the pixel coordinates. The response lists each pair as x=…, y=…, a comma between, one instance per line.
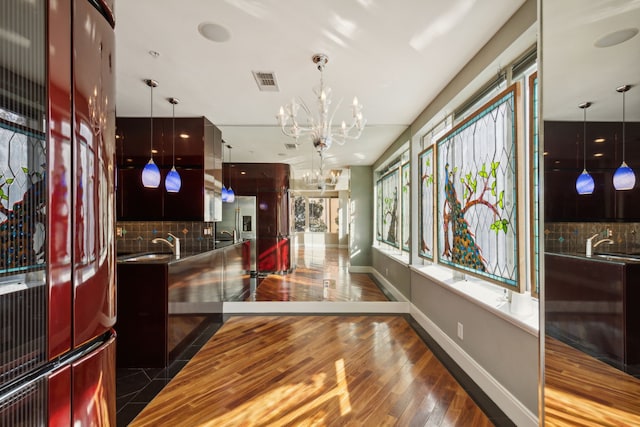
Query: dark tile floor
x=135, y=387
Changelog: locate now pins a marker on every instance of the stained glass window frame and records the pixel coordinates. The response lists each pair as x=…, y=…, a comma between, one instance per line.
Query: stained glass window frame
x=379, y=210
x=509, y=97
x=535, y=182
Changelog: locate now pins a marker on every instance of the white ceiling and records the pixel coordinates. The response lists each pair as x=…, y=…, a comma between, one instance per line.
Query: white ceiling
x=575, y=70
x=395, y=56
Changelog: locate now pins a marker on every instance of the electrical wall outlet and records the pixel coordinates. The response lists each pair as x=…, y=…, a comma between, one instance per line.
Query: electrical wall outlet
x=386, y=271
x=460, y=331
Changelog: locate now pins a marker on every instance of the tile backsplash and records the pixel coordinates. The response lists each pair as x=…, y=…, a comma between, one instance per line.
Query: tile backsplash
x=136, y=236
x=572, y=236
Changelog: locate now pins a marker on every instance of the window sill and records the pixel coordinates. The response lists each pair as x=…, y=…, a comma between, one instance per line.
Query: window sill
x=521, y=312
x=394, y=253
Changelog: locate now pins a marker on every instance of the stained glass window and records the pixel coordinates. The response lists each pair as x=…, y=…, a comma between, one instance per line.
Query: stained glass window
x=476, y=192
x=390, y=209
x=425, y=245
x=406, y=208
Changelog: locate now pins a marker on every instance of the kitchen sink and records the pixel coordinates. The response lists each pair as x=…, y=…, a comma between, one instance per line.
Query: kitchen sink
x=619, y=257
x=148, y=257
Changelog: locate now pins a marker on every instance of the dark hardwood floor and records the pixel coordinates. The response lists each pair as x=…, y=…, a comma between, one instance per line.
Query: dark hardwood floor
x=321, y=275
x=583, y=391
x=313, y=370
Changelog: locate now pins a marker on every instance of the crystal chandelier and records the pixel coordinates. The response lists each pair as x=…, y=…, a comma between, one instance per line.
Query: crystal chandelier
x=320, y=127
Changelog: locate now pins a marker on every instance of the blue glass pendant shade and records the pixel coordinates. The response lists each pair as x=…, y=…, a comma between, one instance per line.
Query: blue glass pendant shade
x=624, y=178
x=584, y=183
x=225, y=194
x=231, y=196
x=151, y=175
x=172, y=182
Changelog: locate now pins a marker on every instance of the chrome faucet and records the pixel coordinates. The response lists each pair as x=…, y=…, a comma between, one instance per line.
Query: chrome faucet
x=234, y=235
x=591, y=246
x=175, y=246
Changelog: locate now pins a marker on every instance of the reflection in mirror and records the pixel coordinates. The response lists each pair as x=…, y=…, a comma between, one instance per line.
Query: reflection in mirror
x=592, y=247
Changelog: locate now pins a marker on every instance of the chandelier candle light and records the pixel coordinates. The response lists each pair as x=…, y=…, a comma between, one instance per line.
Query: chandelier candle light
x=172, y=181
x=624, y=178
x=584, y=183
x=151, y=173
x=320, y=127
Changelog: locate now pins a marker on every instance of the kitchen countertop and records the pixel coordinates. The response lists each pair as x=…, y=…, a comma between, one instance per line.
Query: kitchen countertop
x=619, y=258
x=169, y=258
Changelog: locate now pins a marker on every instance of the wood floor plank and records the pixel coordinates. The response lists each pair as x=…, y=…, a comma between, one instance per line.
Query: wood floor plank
x=583, y=391
x=313, y=370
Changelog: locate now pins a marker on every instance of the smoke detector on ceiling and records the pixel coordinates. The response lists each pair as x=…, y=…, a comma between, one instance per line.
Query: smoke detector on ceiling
x=266, y=81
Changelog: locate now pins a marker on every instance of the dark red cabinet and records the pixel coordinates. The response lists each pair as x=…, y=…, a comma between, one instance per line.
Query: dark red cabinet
x=198, y=160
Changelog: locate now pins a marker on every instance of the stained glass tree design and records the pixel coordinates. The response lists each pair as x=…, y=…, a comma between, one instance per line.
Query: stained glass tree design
x=406, y=197
x=390, y=208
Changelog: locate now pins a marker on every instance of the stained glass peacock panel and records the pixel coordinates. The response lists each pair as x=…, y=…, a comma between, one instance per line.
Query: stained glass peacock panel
x=425, y=245
x=406, y=197
x=477, y=177
x=390, y=208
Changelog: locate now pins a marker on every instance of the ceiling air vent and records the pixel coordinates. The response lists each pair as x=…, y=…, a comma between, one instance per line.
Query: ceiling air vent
x=291, y=146
x=266, y=81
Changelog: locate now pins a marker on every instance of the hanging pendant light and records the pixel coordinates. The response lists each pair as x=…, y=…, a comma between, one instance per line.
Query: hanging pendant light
x=172, y=181
x=231, y=196
x=151, y=173
x=584, y=183
x=623, y=178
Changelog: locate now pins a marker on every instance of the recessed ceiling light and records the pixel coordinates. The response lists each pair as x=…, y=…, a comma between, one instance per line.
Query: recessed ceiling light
x=243, y=172
x=598, y=154
x=214, y=32
x=546, y=153
x=616, y=37
x=184, y=135
x=599, y=140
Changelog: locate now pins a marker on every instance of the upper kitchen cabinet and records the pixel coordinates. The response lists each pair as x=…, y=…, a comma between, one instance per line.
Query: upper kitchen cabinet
x=198, y=160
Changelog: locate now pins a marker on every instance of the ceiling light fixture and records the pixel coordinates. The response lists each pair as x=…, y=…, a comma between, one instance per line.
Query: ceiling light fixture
x=231, y=196
x=151, y=173
x=172, y=181
x=320, y=127
x=584, y=183
x=623, y=178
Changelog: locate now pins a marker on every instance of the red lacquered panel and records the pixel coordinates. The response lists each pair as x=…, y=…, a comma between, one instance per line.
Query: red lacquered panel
x=283, y=248
x=59, y=178
x=94, y=387
x=94, y=156
x=59, y=397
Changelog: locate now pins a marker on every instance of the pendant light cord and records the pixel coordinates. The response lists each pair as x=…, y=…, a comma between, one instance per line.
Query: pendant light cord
x=623, y=136
x=584, y=138
x=173, y=151
x=151, y=132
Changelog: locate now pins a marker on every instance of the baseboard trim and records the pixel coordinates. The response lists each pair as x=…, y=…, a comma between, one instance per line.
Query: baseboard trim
x=389, y=286
x=506, y=401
